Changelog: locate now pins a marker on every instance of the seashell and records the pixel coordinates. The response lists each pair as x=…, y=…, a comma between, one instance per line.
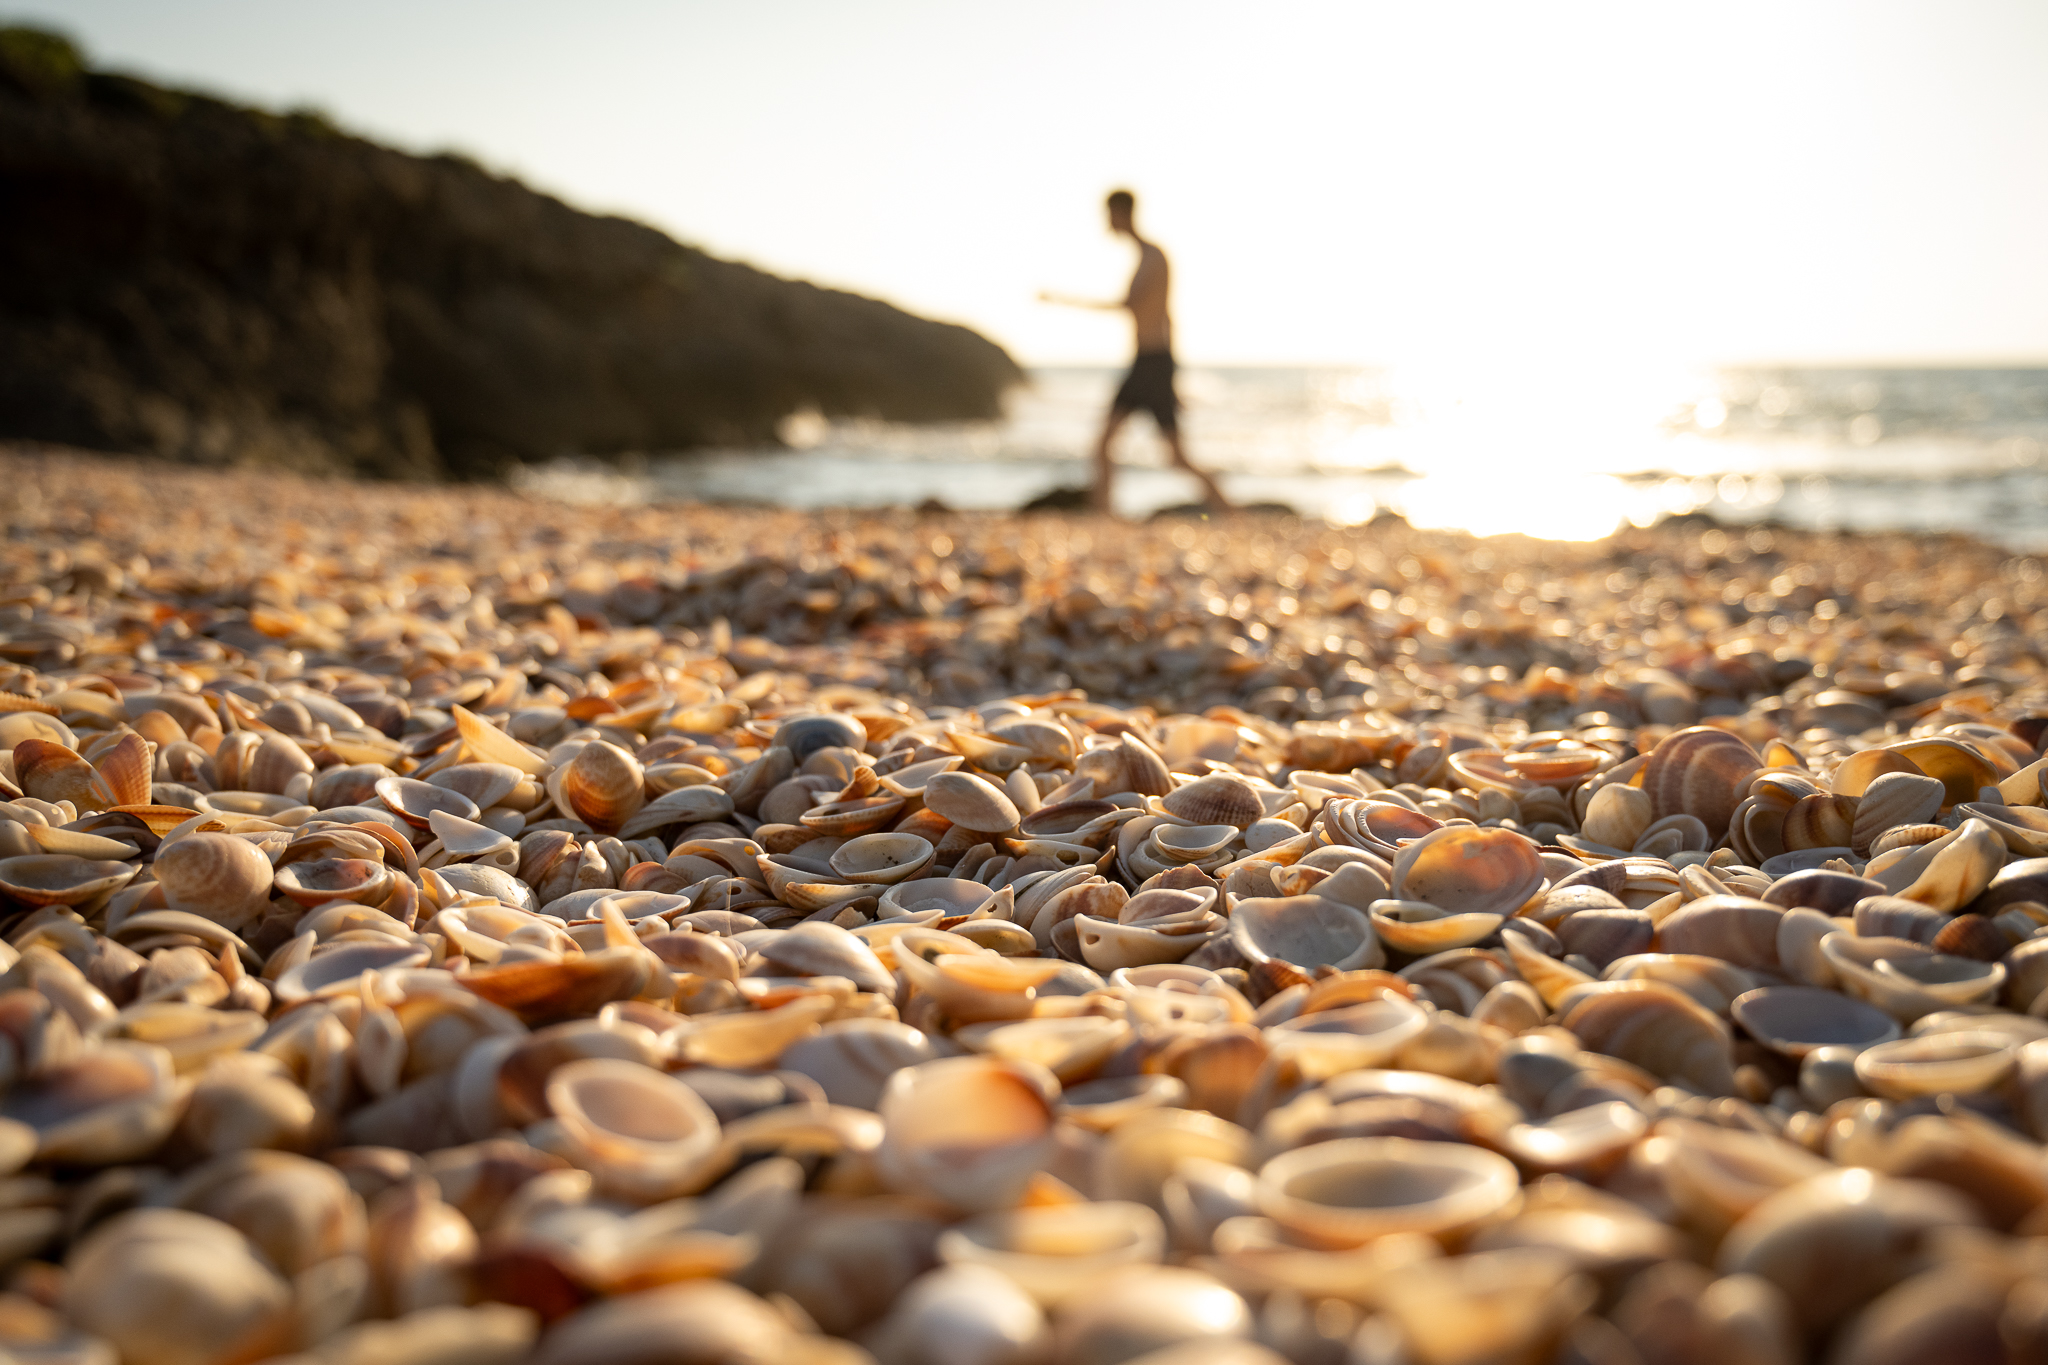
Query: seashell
x=881, y=859
x=1349, y=1191
x=1734, y=929
x=1487, y=1306
x=1146, y=1148
x=803, y=736
x=1102, y=1105
x=1973, y=936
x=1658, y=1028
x=1908, y=980
x=1107, y=945
x=542, y=992
x=1961, y=769
x=58, y=879
x=603, y=786
x=1716, y=1175
x=1936, y=1064
x=1061, y=1253
x=828, y=950
x=1218, y=799
x=1819, y=821
x=1947, y=873
x=681, y=806
x=125, y=769
x=1700, y=772
x=1617, y=816
x=970, y=802
x=1710, y=981
x=1836, y=1240
x=50, y=771
x=2024, y=828
x=1794, y=1020
x=853, y=1059
x=1355, y=1037
x=1421, y=928
x=1882, y=916
x=115, y=1102
x=484, y=784
x=1603, y=937
x=964, y=1313
x=1187, y=843
x=947, y=895
x=1893, y=799
x=704, y=1320
x=1070, y=1048
x=335, y=879
x=151, y=1277
x=413, y=801
x=2022, y=881
x=1304, y=931
x=1831, y=893
x=1144, y=1312
x=966, y=1131
x=642, y=1135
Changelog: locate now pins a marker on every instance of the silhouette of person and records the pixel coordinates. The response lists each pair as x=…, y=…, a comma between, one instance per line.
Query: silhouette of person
x=1148, y=387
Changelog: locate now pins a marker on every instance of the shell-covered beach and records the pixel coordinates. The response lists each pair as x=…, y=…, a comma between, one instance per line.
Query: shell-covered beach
x=446, y=926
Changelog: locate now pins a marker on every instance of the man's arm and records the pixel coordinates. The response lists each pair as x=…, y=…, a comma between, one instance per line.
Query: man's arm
x=1070, y=301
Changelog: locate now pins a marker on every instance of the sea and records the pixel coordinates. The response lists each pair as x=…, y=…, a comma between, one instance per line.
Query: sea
x=1556, y=451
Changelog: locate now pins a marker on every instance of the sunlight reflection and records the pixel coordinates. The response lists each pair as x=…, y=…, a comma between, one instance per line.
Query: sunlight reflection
x=1544, y=506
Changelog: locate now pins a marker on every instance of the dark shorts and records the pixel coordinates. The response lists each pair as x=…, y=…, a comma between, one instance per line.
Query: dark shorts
x=1149, y=388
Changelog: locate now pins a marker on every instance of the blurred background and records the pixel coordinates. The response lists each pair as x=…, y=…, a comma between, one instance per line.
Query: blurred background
x=1538, y=268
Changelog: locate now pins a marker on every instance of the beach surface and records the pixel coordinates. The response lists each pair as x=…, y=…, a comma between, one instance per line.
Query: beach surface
x=446, y=924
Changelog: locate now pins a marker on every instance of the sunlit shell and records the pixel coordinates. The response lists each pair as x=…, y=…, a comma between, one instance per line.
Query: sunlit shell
x=58, y=879
x=1347, y=1192
x=1699, y=772
x=881, y=859
x=1215, y=800
x=1944, y=1063
x=1658, y=1028
x=970, y=802
x=968, y=1131
x=1060, y=1252
x=1468, y=869
x=602, y=785
x=1306, y=931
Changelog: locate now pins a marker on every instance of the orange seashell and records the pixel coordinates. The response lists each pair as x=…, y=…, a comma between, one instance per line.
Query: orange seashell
x=1700, y=772
x=1819, y=821
x=125, y=769
x=49, y=771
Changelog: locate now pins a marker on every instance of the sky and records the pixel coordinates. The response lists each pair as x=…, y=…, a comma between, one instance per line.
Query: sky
x=1406, y=183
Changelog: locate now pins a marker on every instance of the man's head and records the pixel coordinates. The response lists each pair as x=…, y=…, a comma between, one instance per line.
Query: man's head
x=1122, y=204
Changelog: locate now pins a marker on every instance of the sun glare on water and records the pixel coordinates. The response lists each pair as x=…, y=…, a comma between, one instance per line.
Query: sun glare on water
x=1530, y=449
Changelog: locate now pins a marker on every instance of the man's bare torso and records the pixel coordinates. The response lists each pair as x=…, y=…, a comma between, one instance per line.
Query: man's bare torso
x=1152, y=327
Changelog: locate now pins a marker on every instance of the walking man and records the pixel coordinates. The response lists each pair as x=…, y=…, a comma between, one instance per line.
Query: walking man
x=1148, y=387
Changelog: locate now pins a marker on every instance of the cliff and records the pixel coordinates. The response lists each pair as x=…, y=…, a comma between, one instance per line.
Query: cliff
x=220, y=285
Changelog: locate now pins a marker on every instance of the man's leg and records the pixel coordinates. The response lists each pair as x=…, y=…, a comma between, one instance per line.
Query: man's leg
x=1105, y=470
x=1210, y=492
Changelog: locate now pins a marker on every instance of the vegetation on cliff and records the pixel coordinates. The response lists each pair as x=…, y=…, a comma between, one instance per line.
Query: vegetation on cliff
x=221, y=285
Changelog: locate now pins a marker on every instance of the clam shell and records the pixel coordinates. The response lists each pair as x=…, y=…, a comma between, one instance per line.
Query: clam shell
x=1937, y=1064
x=59, y=879
x=1351, y=1038
x=1218, y=799
x=1658, y=1028
x=881, y=859
x=642, y=1135
x=1350, y=1191
x=853, y=1059
x=971, y=802
x=1058, y=1253
x=966, y=1131
x=1699, y=772
x=1893, y=799
x=1306, y=932
x=1469, y=869
x=1794, y=1020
